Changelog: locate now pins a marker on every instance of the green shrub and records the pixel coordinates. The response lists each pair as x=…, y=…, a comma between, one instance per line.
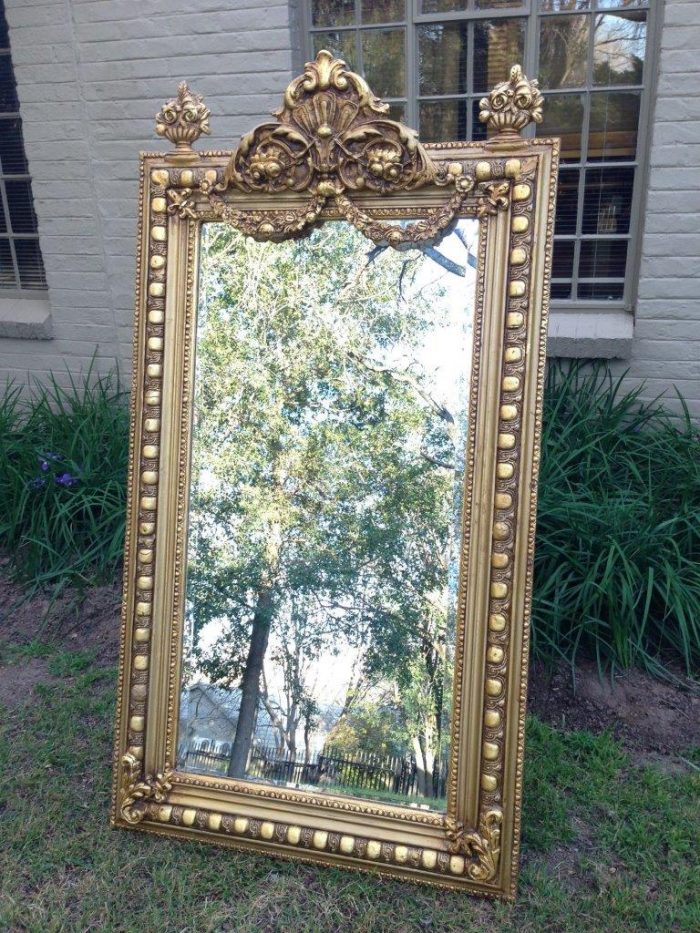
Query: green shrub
x=617, y=562
x=617, y=565
x=63, y=463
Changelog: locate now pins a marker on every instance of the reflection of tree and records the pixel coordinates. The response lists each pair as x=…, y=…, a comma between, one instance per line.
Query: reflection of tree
x=321, y=507
x=618, y=48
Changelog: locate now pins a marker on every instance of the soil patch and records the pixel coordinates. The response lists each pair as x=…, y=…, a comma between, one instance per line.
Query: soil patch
x=87, y=621
x=644, y=713
x=17, y=681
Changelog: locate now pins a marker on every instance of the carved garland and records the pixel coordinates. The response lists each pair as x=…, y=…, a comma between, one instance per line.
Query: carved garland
x=332, y=139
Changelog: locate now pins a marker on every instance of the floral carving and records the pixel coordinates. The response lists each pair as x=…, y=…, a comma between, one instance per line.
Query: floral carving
x=183, y=120
x=332, y=135
x=512, y=105
x=136, y=790
x=482, y=846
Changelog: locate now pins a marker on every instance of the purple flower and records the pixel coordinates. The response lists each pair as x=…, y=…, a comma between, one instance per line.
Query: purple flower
x=44, y=464
x=37, y=482
x=66, y=479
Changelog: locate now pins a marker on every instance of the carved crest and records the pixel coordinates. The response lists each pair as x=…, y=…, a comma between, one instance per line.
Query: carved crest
x=333, y=139
x=332, y=134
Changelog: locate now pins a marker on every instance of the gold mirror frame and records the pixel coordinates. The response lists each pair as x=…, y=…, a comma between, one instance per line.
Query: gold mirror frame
x=333, y=153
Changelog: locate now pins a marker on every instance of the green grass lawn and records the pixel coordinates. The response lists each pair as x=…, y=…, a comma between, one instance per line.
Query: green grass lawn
x=608, y=844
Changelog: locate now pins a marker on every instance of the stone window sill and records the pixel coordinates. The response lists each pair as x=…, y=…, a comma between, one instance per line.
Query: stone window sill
x=590, y=334
x=25, y=318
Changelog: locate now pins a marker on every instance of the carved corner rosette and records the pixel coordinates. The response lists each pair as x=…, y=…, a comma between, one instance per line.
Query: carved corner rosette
x=481, y=847
x=137, y=790
x=511, y=106
x=183, y=120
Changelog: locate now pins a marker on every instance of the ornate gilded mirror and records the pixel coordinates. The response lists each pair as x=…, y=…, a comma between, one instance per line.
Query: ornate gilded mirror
x=339, y=351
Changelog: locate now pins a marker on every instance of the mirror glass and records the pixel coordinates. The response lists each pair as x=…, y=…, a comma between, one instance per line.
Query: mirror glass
x=328, y=435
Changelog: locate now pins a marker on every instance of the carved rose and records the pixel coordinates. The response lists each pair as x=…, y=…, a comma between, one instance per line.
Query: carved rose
x=384, y=163
x=267, y=162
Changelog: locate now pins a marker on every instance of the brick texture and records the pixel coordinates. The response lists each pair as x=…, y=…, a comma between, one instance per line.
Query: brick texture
x=90, y=77
x=666, y=345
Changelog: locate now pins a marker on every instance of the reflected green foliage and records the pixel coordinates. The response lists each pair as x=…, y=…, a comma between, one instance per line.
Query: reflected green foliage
x=323, y=471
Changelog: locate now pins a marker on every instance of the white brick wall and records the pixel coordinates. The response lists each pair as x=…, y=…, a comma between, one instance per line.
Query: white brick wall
x=91, y=74
x=666, y=345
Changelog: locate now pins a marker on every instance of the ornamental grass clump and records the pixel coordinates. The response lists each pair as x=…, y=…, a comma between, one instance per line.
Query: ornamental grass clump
x=63, y=463
x=617, y=561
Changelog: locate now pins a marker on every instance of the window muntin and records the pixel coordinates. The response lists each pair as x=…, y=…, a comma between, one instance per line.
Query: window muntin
x=21, y=264
x=590, y=58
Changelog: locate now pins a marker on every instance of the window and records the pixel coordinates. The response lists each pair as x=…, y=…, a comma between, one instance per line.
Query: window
x=21, y=265
x=433, y=60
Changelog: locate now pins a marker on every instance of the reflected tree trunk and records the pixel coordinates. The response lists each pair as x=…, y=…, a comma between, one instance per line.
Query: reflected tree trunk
x=250, y=683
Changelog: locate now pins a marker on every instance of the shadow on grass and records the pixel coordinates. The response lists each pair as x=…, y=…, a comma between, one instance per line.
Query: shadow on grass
x=608, y=845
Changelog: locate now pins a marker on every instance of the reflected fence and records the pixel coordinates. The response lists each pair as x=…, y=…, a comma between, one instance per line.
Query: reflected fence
x=331, y=767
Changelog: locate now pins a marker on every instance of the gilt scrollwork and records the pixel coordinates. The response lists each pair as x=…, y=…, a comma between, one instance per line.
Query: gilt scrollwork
x=137, y=790
x=332, y=141
x=512, y=105
x=482, y=847
x=332, y=134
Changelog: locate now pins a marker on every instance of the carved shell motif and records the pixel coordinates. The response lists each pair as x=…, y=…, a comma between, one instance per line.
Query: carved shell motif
x=332, y=134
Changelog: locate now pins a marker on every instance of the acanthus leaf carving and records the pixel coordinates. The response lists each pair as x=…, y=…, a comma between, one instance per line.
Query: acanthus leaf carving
x=481, y=847
x=332, y=135
x=137, y=790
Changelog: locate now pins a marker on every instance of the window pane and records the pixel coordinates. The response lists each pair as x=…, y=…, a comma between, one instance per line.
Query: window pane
x=613, y=128
x=12, y=158
x=563, y=51
x=602, y=259
x=621, y=4
x=601, y=291
x=7, y=272
x=383, y=11
x=384, y=58
x=567, y=202
x=442, y=58
x=563, y=259
x=19, y=199
x=607, y=200
x=498, y=44
x=618, y=56
x=8, y=95
x=341, y=44
x=563, y=117
x=443, y=6
x=498, y=5
x=560, y=290
x=443, y=120
x=3, y=220
x=479, y=131
x=569, y=6
x=332, y=12
x=31, y=265
x=4, y=37
x=397, y=111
